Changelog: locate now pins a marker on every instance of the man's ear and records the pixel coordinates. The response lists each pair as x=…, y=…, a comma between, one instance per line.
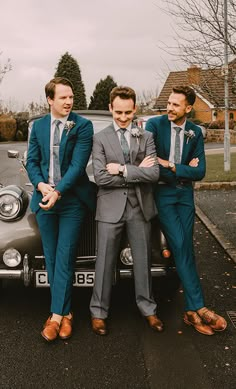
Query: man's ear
x=188, y=108
x=110, y=108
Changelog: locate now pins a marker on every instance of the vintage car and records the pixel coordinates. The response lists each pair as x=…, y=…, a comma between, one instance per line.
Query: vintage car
x=21, y=254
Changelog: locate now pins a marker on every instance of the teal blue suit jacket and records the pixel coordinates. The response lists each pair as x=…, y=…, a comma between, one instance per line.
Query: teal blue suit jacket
x=193, y=147
x=74, y=153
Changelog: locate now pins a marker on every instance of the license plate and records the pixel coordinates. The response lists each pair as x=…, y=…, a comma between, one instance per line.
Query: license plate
x=81, y=278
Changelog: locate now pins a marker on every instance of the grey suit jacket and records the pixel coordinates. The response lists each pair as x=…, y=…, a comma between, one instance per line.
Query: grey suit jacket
x=112, y=192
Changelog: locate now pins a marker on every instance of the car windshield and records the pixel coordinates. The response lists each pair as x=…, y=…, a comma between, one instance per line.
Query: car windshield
x=99, y=125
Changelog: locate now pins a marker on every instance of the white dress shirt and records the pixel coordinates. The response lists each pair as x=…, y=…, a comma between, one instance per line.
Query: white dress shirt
x=52, y=130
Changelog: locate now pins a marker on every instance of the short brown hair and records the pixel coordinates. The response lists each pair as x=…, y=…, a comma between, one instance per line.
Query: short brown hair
x=51, y=85
x=124, y=92
x=187, y=91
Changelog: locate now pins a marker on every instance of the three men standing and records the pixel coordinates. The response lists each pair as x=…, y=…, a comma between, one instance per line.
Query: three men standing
x=59, y=149
x=124, y=168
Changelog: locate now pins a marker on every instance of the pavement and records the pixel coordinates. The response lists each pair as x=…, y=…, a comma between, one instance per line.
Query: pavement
x=216, y=208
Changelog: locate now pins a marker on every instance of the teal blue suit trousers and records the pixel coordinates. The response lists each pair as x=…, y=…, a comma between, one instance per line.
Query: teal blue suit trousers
x=176, y=212
x=60, y=229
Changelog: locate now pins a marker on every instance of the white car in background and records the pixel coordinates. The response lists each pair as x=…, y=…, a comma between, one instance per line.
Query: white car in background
x=142, y=120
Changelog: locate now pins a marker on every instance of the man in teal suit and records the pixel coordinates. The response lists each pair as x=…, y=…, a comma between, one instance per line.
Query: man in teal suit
x=59, y=148
x=180, y=151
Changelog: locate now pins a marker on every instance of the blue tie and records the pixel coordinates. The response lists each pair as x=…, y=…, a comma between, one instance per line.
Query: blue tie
x=56, y=162
x=124, y=145
x=177, y=157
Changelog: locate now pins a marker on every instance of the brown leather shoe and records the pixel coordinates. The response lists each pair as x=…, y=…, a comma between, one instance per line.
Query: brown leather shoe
x=155, y=323
x=51, y=330
x=216, y=322
x=66, y=327
x=191, y=318
x=99, y=326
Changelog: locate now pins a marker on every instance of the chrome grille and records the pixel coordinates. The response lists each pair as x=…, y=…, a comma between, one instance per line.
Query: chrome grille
x=88, y=238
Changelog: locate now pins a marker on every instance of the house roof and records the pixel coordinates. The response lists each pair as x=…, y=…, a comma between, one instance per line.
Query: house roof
x=207, y=83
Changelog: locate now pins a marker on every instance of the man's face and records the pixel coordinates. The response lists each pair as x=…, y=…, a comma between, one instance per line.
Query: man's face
x=178, y=108
x=62, y=103
x=123, y=111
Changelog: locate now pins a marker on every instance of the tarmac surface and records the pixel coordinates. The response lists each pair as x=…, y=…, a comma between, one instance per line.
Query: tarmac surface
x=216, y=208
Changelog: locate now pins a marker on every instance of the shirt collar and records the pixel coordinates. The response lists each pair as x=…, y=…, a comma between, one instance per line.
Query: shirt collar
x=128, y=128
x=175, y=125
x=63, y=120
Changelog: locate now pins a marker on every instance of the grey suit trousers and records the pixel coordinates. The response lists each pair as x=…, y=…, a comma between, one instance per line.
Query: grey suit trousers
x=109, y=238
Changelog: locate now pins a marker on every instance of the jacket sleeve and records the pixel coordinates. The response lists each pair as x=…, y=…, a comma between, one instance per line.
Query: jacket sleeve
x=194, y=173
x=101, y=175
x=33, y=164
x=136, y=174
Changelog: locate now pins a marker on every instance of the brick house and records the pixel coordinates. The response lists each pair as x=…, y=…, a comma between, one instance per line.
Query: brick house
x=209, y=87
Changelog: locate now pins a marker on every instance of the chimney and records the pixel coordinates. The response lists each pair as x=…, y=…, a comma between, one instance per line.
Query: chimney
x=193, y=73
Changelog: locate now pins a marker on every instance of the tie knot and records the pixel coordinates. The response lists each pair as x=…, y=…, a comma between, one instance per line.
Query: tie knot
x=177, y=129
x=57, y=123
x=122, y=130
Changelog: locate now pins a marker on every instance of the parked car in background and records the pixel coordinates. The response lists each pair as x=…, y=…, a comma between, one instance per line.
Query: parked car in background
x=21, y=253
x=142, y=120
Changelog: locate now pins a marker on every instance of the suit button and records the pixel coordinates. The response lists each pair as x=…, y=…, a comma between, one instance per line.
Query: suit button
x=125, y=193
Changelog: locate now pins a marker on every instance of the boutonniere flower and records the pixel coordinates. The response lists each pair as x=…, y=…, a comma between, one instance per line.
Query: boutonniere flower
x=136, y=132
x=189, y=134
x=68, y=126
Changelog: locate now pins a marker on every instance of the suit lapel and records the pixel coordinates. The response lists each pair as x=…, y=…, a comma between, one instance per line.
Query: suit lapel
x=186, y=144
x=167, y=138
x=46, y=133
x=64, y=139
x=134, y=147
x=115, y=144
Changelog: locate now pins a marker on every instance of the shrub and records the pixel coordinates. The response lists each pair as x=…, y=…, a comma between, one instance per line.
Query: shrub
x=22, y=126
x=220, y=124
x=7, y=128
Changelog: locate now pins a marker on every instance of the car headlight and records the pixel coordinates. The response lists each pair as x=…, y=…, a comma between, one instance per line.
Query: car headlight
x=13, y=202
x=11, y=257
x=126, y=257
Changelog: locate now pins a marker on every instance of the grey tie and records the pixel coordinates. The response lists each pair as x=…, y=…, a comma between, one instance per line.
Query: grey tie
x=177, y=157
x=56, y=162
x=124, y=145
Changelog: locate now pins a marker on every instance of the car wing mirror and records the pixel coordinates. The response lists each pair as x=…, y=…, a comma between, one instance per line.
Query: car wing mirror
x=13, y=154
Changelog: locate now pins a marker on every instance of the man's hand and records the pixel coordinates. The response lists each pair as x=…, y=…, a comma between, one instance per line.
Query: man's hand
x=113, y=168
x=50, y=198
x=44, y=188
x=163, y=162
x=148, y=161
x=194, y=162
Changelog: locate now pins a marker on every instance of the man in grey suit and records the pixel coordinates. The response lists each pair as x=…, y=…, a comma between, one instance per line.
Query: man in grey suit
x=124, y=162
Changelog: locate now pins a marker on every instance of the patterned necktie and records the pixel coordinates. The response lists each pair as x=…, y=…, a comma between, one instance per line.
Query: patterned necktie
x=124, y=145
x=177, y=157
x=56, y=162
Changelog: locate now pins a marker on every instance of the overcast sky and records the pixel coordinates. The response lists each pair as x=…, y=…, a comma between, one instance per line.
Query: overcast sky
x=119, y=38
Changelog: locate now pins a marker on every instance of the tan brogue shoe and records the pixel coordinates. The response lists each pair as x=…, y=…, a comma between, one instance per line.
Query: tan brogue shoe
x=99, y=326
x=191, y=318
x=66, y=328
x=51, y=330
x=155, y=323
x=216, y=322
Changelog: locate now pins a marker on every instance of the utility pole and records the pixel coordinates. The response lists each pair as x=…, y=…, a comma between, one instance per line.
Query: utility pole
x=226, y=85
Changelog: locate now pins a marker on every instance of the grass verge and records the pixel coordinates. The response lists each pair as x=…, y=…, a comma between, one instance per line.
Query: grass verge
x=215, y=168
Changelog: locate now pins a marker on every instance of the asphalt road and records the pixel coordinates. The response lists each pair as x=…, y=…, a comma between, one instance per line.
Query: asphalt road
x=132, y=355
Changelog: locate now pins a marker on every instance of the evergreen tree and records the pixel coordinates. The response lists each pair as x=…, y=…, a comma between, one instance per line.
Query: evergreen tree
x=100, y=97
x=68, y=67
